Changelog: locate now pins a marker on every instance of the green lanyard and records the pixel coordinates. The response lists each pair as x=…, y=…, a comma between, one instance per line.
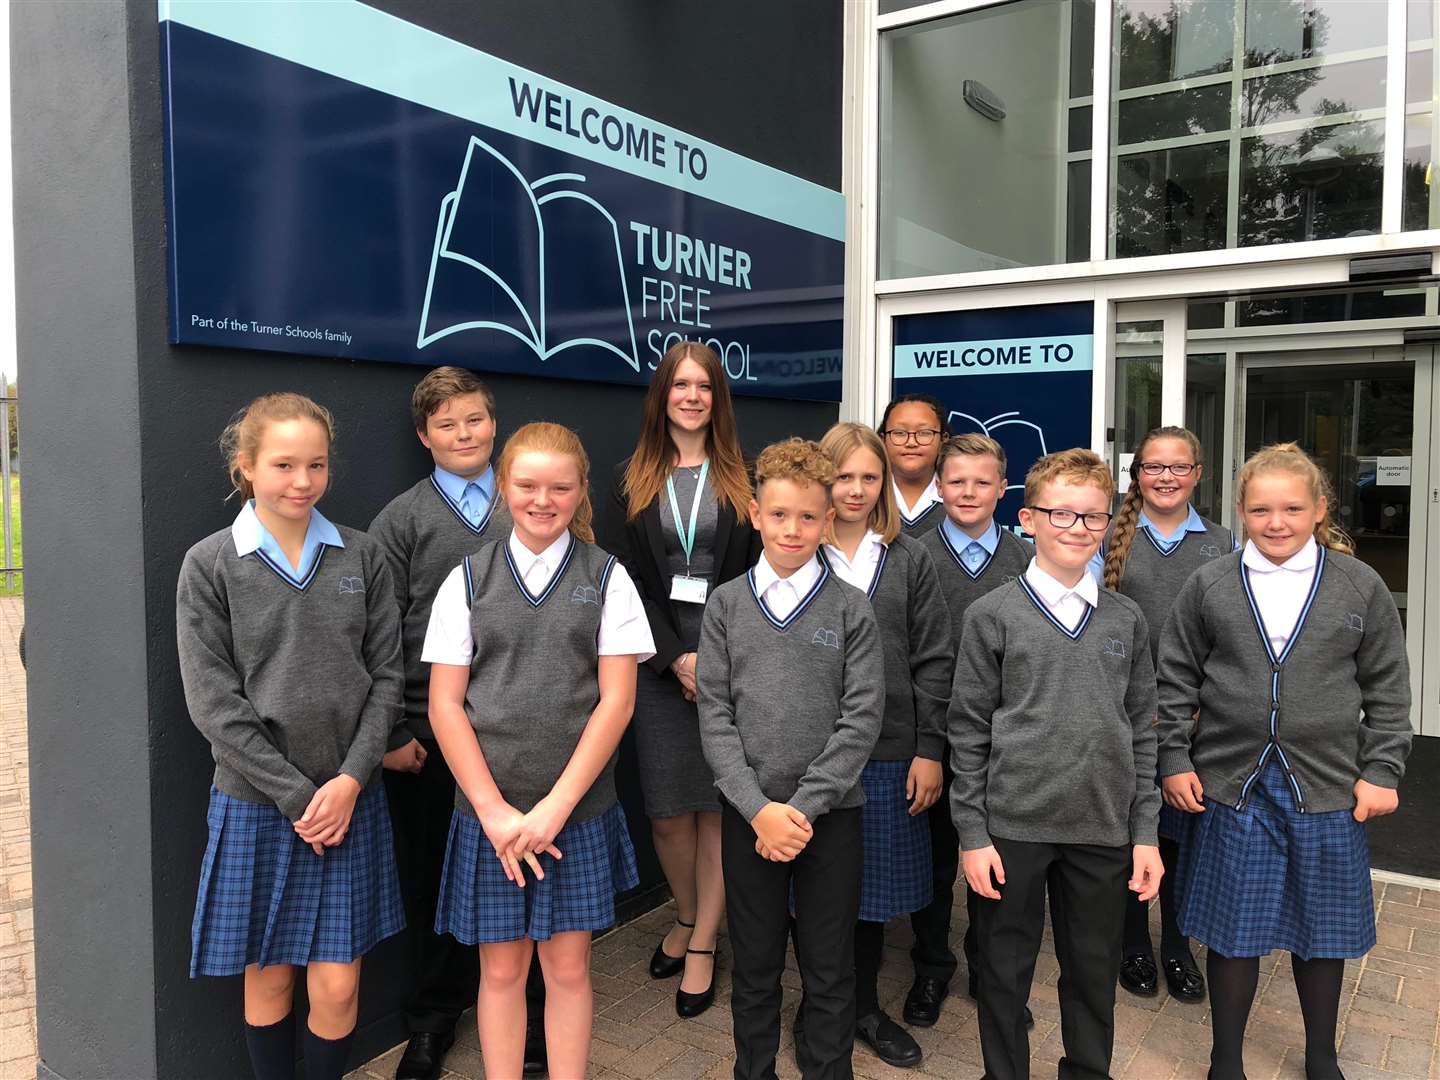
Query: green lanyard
x=687, y=536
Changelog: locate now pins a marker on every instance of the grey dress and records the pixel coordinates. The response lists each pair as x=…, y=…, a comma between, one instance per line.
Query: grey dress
x=673, y=774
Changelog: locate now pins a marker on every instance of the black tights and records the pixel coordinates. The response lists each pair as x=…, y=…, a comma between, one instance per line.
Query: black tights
x=1173, y=944
x=1232, y=992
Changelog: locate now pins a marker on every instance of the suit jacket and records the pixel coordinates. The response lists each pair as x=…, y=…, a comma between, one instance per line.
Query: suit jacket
x=640, y=546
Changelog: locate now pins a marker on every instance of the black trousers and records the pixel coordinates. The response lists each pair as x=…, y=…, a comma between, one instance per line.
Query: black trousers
x=1087, y=887
x=826, y=877
x=931, y=952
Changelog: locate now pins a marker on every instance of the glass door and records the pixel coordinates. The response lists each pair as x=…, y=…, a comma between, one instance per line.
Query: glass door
x=1365, y=416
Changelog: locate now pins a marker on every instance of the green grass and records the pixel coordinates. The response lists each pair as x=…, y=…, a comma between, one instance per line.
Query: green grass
x=16, y=556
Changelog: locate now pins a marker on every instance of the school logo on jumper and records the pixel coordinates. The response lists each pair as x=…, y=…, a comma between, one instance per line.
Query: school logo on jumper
x=352, y=585
x=585, y=594
x=1354, y=622
x=826, y=637
x=486, y=278
x=1210, y=551
x=1007, y=578
x=1115, y=648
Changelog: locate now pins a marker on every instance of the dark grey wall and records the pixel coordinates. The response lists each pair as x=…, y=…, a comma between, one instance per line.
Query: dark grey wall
x=124, y=474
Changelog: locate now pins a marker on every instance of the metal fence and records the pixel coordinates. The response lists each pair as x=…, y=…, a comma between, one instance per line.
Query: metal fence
x=9, y=563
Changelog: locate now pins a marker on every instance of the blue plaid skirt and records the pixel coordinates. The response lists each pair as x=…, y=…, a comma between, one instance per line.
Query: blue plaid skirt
x=1268, y=877
x=1175, y=824
x=478, y=904
x=266, y=898
x=896, y=879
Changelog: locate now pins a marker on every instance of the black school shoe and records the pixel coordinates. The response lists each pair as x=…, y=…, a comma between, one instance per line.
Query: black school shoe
x=424, y=1057
x=922, y=1004
x=892, y=1044
x=1138, y=975
x=1182, y=976
x=973, y=989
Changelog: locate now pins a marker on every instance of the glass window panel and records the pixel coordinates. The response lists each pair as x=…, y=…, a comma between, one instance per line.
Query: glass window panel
x=1313, y=92
x=1420, y=19
x=1173, y=115
x=1311, y=185
x=1205, y=315
x=1291, y=309
x=1082, y=47
x=1137, y=382
x=1080, y=128
x=1077, y=218
x=1281, y=30
x=1420, y=208
x=1205, y=416
x=977, y=180
x=1171, y=200
x=1164, y=40
x=1419, y=76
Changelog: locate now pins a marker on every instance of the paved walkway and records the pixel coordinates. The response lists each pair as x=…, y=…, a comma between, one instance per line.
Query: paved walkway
x=17, y=914
x=1389, y=1018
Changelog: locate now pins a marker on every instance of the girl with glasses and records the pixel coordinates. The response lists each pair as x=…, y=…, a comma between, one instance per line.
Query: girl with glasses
x=913, y=428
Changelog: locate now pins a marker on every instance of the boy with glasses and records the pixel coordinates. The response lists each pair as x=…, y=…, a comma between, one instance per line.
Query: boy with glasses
x=1053, y=746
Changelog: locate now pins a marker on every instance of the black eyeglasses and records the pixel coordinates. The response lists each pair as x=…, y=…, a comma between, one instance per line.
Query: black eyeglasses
x=923, y=437
x=1064, y=519
x=1154, y=468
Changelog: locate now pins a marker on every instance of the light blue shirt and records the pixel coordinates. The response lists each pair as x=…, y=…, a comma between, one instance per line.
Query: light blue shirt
x=250, y=535
x=973, y=553
x=472, y=496
x=1192, y=523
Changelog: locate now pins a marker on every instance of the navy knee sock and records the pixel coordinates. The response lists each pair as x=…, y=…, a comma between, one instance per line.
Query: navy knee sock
x=325, y=1058
x=272, y=1049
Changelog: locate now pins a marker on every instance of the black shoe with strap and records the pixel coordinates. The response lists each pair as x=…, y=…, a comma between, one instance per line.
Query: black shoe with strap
x=662, y=964
x=892, y=1043
x=688, y=1006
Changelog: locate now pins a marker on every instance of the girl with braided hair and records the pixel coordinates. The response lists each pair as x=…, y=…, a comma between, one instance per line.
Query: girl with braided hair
x=1156, y=542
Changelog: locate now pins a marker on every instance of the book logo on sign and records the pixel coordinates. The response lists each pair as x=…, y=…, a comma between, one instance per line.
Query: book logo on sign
x=531, y=259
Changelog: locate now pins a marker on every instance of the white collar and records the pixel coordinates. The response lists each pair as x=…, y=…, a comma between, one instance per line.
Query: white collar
x=1302, y=562
x=1053, y=592
x=803, y=579
x=868, y=543
x=928, y=497
x=250, y=534
x=552, y=556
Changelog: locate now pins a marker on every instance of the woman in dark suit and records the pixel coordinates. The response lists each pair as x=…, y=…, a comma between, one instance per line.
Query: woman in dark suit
x=679, y=521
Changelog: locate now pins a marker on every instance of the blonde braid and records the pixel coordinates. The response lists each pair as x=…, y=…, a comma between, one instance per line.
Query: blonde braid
x=1122, y=535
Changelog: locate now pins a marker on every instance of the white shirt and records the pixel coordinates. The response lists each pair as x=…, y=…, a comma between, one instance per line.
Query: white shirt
x=928, y=498
x=861, y=571
x=1280, y=591
x=1066, y=602
x=783, y=595
x=624, y=628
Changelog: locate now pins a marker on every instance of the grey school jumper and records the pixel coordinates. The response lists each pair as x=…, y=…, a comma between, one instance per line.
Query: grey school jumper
x=922, y=523
x=1012, y=556
x=291, y=686
x=790, y=709
x=1052, y=731
x=1152, y=578
x=1334, y=707
x=534, y=678
x=424, y=537
x=914, y=628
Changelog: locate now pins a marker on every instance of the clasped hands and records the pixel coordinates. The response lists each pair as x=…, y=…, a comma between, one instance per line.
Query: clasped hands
x=520, y=839
x=327, y=819
x=781, y=832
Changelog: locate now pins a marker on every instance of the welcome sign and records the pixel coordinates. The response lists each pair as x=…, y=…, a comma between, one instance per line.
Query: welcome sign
x=343, y=183
x=1020, y=375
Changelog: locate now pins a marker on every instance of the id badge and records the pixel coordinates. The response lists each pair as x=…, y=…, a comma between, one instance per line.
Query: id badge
x=688, y=590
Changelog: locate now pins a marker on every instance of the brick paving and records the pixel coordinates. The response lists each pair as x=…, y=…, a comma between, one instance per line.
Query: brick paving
x=17, y=912
x=1389, y=1015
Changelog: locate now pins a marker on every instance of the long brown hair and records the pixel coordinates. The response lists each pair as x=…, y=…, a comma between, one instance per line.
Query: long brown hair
x=546, y=438
x=240, y=441
x=656, y=453
x=1122, y=533
x=839, y=443
x=1288, y=457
